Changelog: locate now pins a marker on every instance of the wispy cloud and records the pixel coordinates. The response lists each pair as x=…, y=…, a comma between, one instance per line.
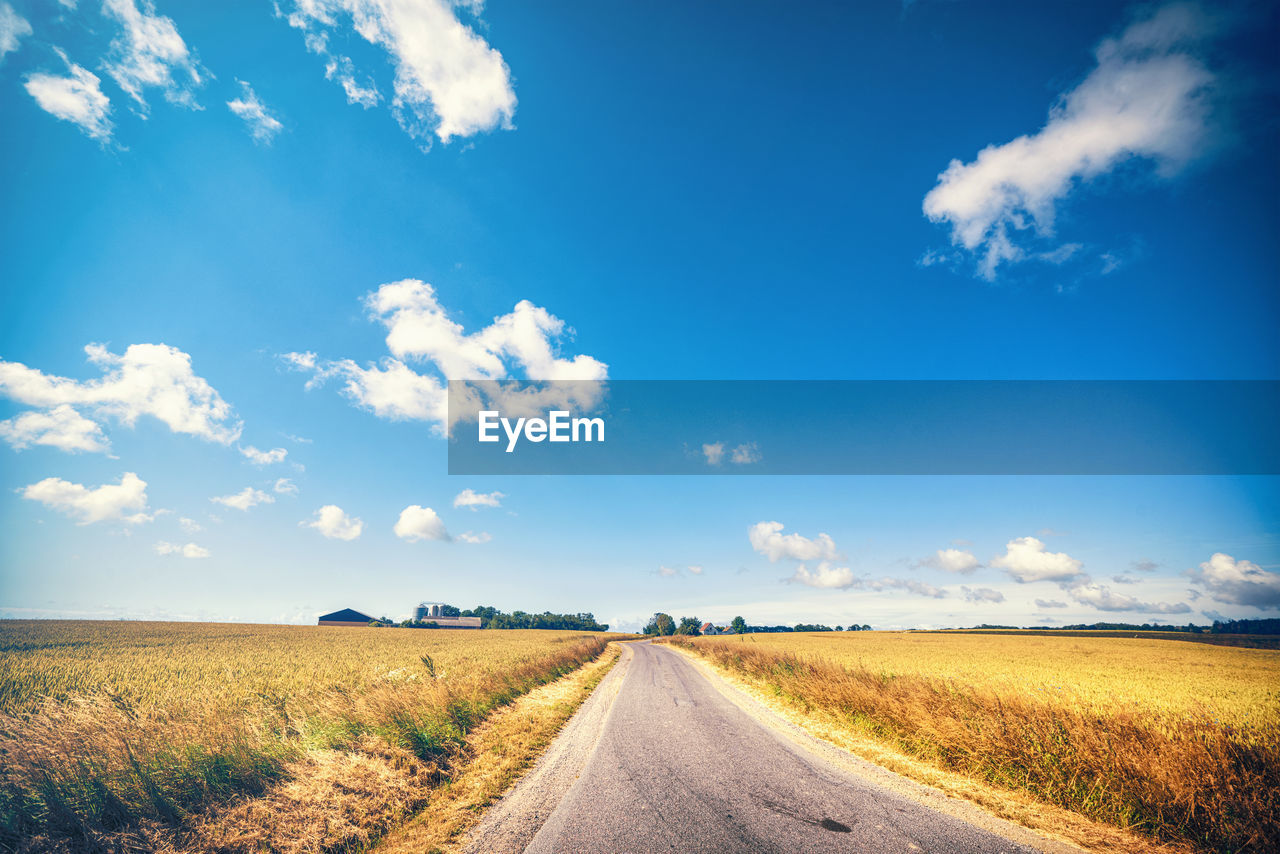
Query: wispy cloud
x=474, y=500
x=13, y=29
x=190, y=550
x=76, y=98
x=149, y=53
x=263, y=126
x=1149, y=97
x=263, y=458
x=244, y=499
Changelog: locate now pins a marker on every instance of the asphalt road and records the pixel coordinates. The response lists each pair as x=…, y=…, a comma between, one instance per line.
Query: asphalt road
x=661, y=758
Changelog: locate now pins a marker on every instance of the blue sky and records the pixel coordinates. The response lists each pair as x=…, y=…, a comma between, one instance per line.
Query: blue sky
x=282, y=227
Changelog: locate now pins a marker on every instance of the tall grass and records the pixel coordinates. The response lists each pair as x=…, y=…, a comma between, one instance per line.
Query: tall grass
x=1175, y=778
x=82, y=769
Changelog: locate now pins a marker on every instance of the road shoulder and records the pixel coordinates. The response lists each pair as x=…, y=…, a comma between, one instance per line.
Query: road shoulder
x=499, y=752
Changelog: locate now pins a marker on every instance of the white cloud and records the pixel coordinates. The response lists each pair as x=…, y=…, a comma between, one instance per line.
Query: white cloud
x=190, y=550
x=123, y=502
x=982, y=594
x=1238, y=582
x=1050, y=603
x=695, y=570
x=148, y=379
x=262, y=125
x=340, y=68
x=909, y=584
x=475, y=538
x=952, y=560
x=745, y=454
x=191, y=526
x=824, y=576
x=667, y=572
x=448, y=81
x=419, y=329
x=714, y=452
x=285, y=486
x=420, y=523
x=13, y=29
x=244, y=499
x=333, y=522
x=263, y=458
x=1027, y=560
x=767, y=539
x=1101, y=597
x=1148, y=97
x=1145, y=565
x=392, y=391
x=61, y=427
x=470, y=498
x=149, y=52
x=1124, y=579
x=77, y=99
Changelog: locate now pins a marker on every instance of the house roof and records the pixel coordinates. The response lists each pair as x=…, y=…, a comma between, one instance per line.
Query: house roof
x=346, y=615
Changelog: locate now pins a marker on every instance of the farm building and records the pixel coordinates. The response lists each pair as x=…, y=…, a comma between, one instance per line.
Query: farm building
x=346, y=617
x=433, y=612
x=709, y=629
x=455, y=622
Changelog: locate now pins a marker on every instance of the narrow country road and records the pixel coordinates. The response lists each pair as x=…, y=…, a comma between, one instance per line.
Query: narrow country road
x=663, y=757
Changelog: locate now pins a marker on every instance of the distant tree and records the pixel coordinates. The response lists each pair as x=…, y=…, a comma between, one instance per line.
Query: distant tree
x=661, y=625
x=689, y=626
x=449, y=611
x=839, y=628
x=739, y=625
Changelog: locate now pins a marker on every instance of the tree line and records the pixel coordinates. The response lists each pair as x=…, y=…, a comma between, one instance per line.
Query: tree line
x=662, y=625
x=492, y=618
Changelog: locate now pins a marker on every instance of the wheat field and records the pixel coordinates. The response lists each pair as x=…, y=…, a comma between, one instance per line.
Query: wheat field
x=159, y=736
x=1175, y=740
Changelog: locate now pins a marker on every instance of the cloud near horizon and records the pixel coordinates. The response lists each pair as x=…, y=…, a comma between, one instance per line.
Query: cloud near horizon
x=190, y=550
x=1238, y=582
x=959, y=561
x=1027, y=560
x=767, y=539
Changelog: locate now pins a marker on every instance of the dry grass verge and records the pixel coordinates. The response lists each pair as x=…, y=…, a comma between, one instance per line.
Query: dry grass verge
x=497, y=754
x=1181, y=781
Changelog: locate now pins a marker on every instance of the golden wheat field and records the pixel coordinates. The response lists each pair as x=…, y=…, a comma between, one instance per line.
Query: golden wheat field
x=1175, y=740
x=120, y=735
x=1102, y=674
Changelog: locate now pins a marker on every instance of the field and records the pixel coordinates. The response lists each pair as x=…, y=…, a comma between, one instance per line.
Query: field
x=162, y=735
x=1178, y=741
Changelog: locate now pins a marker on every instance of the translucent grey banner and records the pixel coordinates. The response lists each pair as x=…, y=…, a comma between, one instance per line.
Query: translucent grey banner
x=623, y=427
